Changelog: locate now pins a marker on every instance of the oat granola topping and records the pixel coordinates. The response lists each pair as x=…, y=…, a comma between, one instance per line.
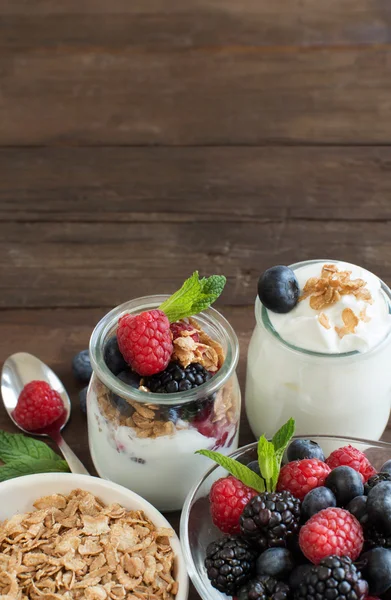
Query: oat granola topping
x=208, y=352
x=350, y=321
x=327, y=289
x=75, y=547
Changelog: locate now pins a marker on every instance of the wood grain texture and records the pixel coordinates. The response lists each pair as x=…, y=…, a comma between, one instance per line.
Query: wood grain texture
x=254, y=96
x=184, y=185
x=174, y=23
x=102, y=264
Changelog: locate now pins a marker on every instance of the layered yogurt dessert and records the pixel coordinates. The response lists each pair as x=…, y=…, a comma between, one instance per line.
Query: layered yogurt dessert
x=164, y=386
x=320, y=351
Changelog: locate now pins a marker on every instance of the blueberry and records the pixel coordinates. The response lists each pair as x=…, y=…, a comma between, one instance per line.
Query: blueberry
x=345, y=483
x=379, y=506
x=278, y=289
x=375, y=566
x=254, y=466
x=358, y=508
x=113, y=357
x=316, y=500
x=83, y=399
x=386, y=468
x=130, y=378
x=300, y=449
x=275, y=562
x=81, y=366
x=297, y=576
x=122, y=406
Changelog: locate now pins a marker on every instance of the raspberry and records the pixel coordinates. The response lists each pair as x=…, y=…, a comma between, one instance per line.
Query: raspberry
x=38, y=406
x=301, y=476
x=351, y=457
x=145, y=341
x=228, y=497
x=179, y=326
x=332, y=531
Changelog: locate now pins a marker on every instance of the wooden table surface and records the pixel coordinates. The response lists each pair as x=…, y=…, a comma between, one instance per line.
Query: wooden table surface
x=142, y=140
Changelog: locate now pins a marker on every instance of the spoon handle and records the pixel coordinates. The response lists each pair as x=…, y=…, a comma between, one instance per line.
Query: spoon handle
x=75, y=465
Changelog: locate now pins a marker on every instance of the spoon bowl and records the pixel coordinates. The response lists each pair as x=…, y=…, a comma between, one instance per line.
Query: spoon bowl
x=18, y=370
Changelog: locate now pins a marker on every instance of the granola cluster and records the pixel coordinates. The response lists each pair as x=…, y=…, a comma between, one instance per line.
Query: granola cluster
x=326, y=290
x=75, y=547
x=145, y=420
x=207, y=351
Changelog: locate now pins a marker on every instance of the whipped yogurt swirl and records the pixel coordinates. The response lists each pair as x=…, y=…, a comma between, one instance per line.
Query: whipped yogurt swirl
x=302, y=326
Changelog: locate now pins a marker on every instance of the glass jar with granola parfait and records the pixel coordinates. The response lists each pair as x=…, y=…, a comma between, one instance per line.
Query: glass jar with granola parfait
x=320, y=351
x=144, y=429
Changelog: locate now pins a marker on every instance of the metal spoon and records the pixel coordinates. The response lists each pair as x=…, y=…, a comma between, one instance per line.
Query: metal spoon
x=21, y=368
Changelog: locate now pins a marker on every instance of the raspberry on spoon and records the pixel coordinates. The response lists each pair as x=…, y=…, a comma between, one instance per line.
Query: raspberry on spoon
x=39, y=406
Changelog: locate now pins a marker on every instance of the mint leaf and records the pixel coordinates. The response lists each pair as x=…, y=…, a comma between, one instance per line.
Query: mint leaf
x=17, y=445
x=194, y=296
x=282, y=438
x=26, y=465
x=268, y=463
x=241, y=472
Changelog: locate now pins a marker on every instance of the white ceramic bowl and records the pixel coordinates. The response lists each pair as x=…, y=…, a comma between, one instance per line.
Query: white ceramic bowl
x=17, y=496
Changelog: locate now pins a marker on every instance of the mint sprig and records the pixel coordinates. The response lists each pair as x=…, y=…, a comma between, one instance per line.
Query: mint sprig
x=246, y=475
x=270, y=454
x=23, y=455
x=194, y=296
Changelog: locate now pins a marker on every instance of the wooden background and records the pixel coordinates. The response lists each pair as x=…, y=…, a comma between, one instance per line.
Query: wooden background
x=143, y=139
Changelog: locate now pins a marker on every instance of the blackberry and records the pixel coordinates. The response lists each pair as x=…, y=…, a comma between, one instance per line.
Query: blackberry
x=263, y=587
x=229, y=562
x=177, y=379
x=374, y=480
x=271, y=519
x=374, y=538
x=334, y=577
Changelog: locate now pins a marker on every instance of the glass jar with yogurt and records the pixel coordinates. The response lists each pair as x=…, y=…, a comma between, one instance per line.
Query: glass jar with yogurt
x=147, y=441
x=327, y=364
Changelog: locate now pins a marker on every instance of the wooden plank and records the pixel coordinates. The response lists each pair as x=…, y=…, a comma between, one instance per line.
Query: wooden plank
x=183, y=185
x=208, y=95
x=173, y=23
x=104, y=264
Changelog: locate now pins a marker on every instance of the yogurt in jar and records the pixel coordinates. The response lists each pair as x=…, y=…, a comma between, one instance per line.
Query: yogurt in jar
x=327, y=361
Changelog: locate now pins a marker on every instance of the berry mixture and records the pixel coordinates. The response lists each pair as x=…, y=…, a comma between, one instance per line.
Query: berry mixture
x=317, y=533
x=165, y=351
x=39, y=406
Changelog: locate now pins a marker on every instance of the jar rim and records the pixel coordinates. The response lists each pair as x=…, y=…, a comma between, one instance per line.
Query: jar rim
x=209, y=316
x=261, y=316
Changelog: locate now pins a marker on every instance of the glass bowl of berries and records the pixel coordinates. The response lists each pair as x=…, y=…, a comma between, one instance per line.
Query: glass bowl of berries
x=164, y=385
x=295, y=517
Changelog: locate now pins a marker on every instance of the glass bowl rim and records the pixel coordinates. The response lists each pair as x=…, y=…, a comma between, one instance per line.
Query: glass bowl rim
x=199, y=583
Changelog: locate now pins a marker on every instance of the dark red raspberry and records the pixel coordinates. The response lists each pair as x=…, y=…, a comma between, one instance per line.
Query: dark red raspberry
x=228, y=497
x=179, y=326
x=351, y=457
x=145, y=341
x=38, y=406
x=301, y=476
x=332, y=531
